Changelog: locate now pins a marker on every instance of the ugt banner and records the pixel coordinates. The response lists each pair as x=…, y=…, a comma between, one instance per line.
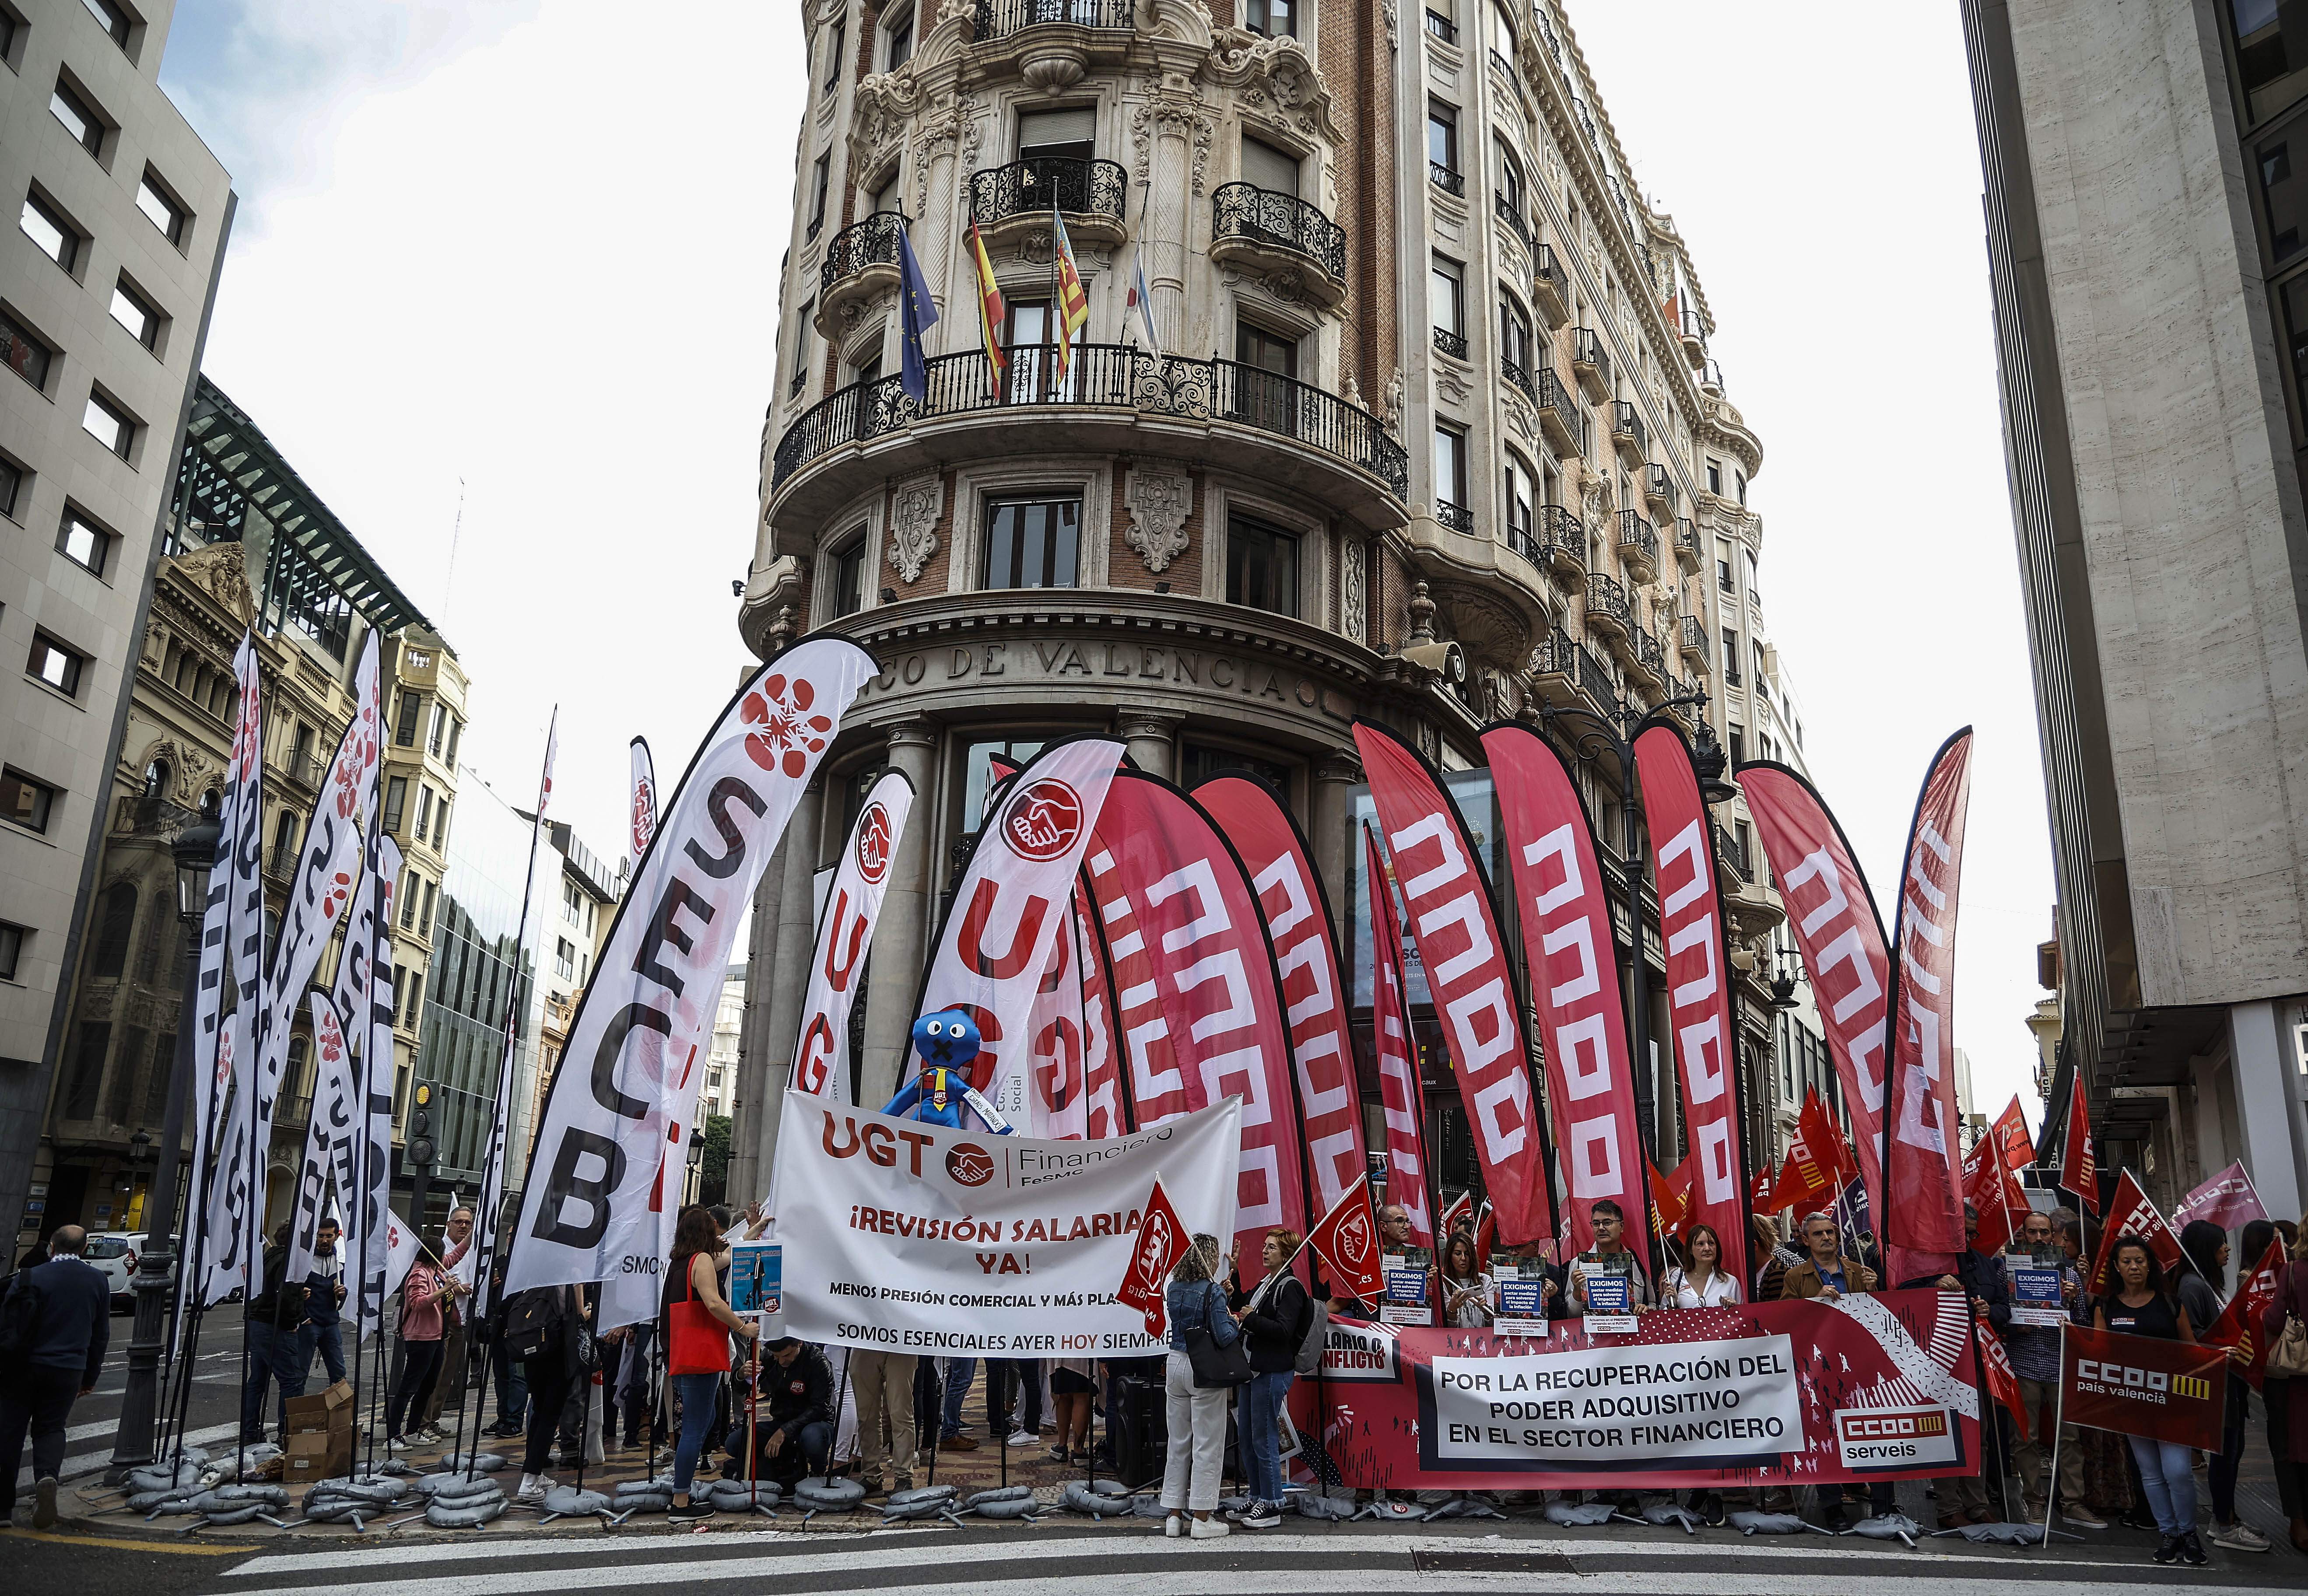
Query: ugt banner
x=906, y=1236
x=1796, y=1393
x=2141, y=1386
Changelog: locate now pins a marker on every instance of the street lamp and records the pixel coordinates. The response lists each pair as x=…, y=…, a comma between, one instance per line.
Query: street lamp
x=194, y=850
x=695, y=1153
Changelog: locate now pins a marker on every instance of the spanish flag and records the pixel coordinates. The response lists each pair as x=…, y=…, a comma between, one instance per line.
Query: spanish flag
x=991, y=312
x=1073, y=301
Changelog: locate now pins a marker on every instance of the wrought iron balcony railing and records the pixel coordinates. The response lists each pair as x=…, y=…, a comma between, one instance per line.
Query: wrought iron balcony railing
x=1636, y=538
x=1518, y=375
x=1116, y=376
x=1450, y=180
x=1442, y=27
x=1041, y=182
x=1451, y=343
x=1457, y=516
x=1606, y=602
x=1246, y=210
x=1587, y=350
x=1626, y=422
x=873, y=242
x=1659, y=483
x=1553, y=396
x=1543, y=268
x=999, y=19
x=1728, y=851
x=1512, y=217
x=1562, y=535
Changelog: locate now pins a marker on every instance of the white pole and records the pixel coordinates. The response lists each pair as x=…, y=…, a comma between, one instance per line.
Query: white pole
x=2059, y=1415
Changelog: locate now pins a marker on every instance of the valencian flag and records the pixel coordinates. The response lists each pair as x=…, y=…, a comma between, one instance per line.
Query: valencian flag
x=2239, y=1324
x=2078, y=1173
x=917, y=314
x=991, y=312
x=1073, y=300
x=2011, y=1132
x=1347, y=1242
x=2144, y=1385
x=2131, y=1213
x=1162, y=1242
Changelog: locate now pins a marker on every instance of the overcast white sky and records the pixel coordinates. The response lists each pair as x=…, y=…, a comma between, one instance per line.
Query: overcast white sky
x=534, y=244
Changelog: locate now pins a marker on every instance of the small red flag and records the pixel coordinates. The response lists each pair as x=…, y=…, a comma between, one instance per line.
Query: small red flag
x=1347, y=1242
x=2078, y=1172
x=1993, y=1187
x=2228, y=1199
x=1459, y=1213
x=2133, y=1215
x=2239, y=1326
x=1162, y=1242
x=1824, y=1137
x=2011, y=1132
x=2002, y=1379
x=1486, y=1235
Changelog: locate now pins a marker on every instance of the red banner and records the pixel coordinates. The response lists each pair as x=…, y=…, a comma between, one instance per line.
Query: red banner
x=2079, y=1172
x=1314, y=990
x=1833, y=918
x=1346, y=1240
x=2131, y=1213
x=1196, y=972
x=1401, y=1099
x=2228, y=1199
x=2011, y=1129
x=1873, y=1387
x=2144, y=1385
x=2002, y=1379
x=2239, y=1324
x=1923, y=1221
x=1698, y=983
x=1451, y=913
x=1573, y=958
x=1101, y=1057
x=1993, y=1187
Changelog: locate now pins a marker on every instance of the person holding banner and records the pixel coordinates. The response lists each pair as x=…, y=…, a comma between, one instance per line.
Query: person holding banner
x=1608, y=1259
x=1700, y=1280
x=1825, y=1272
x=2206, y=1244
x=2287, y=1395
x=2034, y=1350
x=1275, y=1320
x=2143, y=1305
x=1467, y=1296
x=1197, y=1414
x=699, y=1322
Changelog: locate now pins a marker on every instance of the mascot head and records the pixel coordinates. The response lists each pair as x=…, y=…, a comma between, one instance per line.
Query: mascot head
x=946, y=1041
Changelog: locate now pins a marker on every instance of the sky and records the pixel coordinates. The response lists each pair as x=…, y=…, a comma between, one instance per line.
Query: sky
x=502, y=286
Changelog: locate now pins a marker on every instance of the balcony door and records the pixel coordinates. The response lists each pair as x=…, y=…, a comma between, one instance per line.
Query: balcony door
x=1266, y=389
x=1031, y=337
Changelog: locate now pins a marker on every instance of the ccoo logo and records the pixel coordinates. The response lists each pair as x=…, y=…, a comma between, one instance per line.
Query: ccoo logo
x=1043, y=820
x=969, y=1164
x=874, y=844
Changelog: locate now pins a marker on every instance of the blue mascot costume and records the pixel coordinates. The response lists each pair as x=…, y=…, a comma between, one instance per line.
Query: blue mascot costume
x=947, y=1042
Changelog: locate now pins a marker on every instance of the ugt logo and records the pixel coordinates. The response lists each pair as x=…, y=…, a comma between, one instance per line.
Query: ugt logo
x=1043, y=820
x=874, y=844
x=969, y=1164
x=784, y=734
x=1354, y=1235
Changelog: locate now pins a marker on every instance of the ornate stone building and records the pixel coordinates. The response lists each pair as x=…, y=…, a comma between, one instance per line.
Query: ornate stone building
x=1422, y=430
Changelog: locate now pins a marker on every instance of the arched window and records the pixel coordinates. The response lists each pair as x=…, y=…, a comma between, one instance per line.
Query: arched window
x=115, y=920
x=156, y=779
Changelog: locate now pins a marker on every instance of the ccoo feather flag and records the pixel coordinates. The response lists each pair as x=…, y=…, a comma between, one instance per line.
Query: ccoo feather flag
x=1401, y=1097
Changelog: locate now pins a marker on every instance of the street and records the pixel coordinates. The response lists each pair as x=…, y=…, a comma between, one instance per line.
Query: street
x=213, y=1417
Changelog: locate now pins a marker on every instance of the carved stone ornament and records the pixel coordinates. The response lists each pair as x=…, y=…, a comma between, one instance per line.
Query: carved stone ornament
x=1351, y=602
x=1393, y=27
x=912, y=540
x=1279, y=73
x=222, y=572
x=1177, y=111
x=1452, y=385
x=1392, y=413
x=1159, y=502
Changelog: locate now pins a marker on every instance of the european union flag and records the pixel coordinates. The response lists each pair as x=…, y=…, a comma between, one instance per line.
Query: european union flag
x=917, y=314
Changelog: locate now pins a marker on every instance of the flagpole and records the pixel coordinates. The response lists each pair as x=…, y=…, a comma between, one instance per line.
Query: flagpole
x=2059, y=1418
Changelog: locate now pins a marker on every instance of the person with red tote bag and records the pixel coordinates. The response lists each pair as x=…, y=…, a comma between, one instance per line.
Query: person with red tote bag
x=698, y=1324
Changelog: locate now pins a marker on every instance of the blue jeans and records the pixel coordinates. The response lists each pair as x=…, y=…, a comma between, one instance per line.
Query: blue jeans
x=329, y=1341
x=1261, y=1435
x=281, y=1356
x=699, y=1397
x=512, y=1386
x=2166, y=1473
x=960, y=1372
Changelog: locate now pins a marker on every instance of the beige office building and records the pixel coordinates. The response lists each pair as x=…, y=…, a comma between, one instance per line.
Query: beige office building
x=107, y=279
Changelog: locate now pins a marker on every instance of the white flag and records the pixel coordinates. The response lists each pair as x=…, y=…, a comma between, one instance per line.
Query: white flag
x=845, y=929
x=366, y=1221
x=644, y=798
x=994, y=946
x=400, y=1248
x=604, y=1187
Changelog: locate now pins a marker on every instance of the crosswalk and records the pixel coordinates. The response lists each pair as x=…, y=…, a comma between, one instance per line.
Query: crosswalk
x=1140, y=1562
x=88, y=1448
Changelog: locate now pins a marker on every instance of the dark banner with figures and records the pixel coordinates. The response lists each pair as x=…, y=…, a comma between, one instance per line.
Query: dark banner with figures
x=2141, y=1386
x=1794, y=1393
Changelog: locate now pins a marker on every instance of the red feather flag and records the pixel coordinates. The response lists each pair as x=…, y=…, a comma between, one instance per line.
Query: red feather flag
x=2239, y=1326
x=2002, y=1379
x=2131, y=1213
x=2078, y=1173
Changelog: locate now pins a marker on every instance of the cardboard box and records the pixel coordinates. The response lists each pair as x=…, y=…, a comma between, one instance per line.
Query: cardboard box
x=316, y=1454
x=323, y=1412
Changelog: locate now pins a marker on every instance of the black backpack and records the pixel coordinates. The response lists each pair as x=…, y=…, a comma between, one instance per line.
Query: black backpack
x=20, y=1316
x=531, y=1320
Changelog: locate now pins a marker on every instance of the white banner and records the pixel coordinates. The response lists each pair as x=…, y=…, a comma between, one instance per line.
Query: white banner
x=994, y=946
x=845, y=930
x=905, y=1235
x=604, y=1185
x=379, y=1077
x=1614, y=1404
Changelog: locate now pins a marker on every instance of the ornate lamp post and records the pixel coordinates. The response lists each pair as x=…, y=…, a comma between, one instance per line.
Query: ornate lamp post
x=132, y=1447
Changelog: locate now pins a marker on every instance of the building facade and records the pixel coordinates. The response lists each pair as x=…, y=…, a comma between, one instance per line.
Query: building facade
x=1417, y=425
x=570, y=932
x=247, y=548
x=2152, y=321
x=106, y=285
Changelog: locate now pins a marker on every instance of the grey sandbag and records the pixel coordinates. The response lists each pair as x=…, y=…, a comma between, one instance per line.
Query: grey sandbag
x=1330, y=1509
x=441, y=1516
x=822, y=1497
x=1006, y=1506
x=1764, y=1523
x=1007, y=1493
x=930, y=1501
x=566, y=1501
x=185, y=1476
x=271, y=1496
x=1580, y=1515
x=477, y=1492
x=154, y=1503
x=736, y=1496
x=367, y=1488
x=1889, y=1526
x=2000, y=1534
x=1102, y=1499
x=483, y=1462
x=1463, y=1507
x=1668, y=1513
x=239, y=1512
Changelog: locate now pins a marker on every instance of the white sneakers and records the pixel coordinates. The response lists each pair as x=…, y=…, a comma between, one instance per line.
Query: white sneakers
x=1019, y=1437
x=1207, y=1529
x=533, y=1487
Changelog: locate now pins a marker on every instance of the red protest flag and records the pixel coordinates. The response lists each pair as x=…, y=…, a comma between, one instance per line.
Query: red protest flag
x=2228, y=1199
x=1993, y=1187
x=1802, y=1180
x=2077, y=1172
x=2131, y=1214
x=2239, y=1326
x=1486, y=1235
x=1347, y=1242
x=1824, y=1137
x=1669, y=1207
x=1760, y=1198
x=2144, y=1385
x=1462, y=1211
x=1162, y=1242
x=2002, y=1379
x=2011, y=1133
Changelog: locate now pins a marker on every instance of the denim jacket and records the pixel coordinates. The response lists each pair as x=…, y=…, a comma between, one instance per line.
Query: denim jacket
x=1192, y=1307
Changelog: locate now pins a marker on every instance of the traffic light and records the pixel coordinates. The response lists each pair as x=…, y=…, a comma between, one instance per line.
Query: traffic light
x=418, y=1151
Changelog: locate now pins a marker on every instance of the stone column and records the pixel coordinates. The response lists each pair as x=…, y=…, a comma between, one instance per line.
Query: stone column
x=1330, y=817
x=1152, y=735
x=901, y=940
x=789, y=969
x=2268, y=1106
x=745, y=1168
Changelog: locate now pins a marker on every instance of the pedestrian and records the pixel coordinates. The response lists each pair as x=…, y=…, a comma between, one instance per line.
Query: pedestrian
x=63, y=1310
x=423, y=1291
x=1825, y=1273
x=1073, y=1390
x=1699, y=1281
x=2287, y=1398
x=547, y=1328
x=1469, y=1298
x=2205, y=1245
x=461, y=1266
x=883, y=1385
x=698, y=1321
x=1778, y=1255
x=633, y=1384
x=959, y=1373
x=1963, y=1497
x=324, y=1296
x=1608, y=1256
x=2035, y=1353
x=513, y=1384
x=1197, y=1415
x=1275, y=1320
x=2142, y=1304
x=794, y=1423
x=277, y=1352
x=1020, y=1380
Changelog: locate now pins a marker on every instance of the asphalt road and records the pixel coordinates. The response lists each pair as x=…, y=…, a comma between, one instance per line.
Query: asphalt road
x=1133, y=1561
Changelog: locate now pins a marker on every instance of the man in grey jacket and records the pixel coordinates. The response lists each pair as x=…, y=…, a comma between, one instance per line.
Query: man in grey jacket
x=67, y=1325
